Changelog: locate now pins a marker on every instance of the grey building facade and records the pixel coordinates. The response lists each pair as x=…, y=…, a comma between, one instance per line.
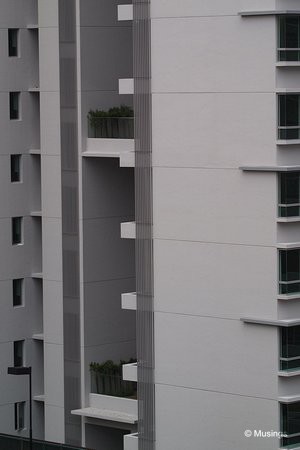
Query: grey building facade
x=177, y=245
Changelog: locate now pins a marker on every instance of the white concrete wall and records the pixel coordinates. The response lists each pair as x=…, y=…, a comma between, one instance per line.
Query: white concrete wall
x=215, y=232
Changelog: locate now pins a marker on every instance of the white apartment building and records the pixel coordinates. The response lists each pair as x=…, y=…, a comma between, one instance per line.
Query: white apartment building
x=178, y=244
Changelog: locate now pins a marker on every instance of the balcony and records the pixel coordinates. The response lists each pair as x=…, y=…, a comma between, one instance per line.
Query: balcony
x=111, y=135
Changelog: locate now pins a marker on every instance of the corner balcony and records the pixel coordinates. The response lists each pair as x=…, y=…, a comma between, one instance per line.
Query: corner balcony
x=112, y=399
x=111, y=137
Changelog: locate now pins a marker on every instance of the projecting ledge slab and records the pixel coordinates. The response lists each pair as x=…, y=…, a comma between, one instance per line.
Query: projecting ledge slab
x=272, y=12
x=270, y=168
x=271, y=322
x=289, y=399
x=128, y=230
x=125, y=12
x=105, y=414
x=288, y=245
x=129, y=300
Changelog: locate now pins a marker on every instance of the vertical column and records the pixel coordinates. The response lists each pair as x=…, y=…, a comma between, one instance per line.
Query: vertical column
x=144, y=242
x=70, y=217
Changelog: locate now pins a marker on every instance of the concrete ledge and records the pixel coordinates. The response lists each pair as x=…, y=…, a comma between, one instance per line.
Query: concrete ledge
x=126, y=86
x=288, y=245
x=38, y=336
x=293, y=373
x=130, y=372
x=129, y=301
x=270, y=168
x=106, y=407
x=128, y=230
x=288, y=219
x=271, y=322
x=125, y=12
x=289, y=399
x=131, y=441
x=272, y=12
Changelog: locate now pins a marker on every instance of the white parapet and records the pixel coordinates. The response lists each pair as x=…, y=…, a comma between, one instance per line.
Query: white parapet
x=128, y=230
x=107, y=407
x=131, y=441
x=130, y=372
x=126, y=86
x=125, y=12
x=129, y=301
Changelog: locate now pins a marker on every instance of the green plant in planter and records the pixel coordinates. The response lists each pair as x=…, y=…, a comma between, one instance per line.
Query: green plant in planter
x=117, y=122
x=107, y=378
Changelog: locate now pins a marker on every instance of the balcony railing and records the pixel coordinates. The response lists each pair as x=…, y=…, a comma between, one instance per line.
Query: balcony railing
x=111, y=127
x=112, y=385
x=8, y=442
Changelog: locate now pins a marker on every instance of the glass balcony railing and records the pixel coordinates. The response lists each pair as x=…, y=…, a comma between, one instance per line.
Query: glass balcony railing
x=112, y=385
x=8, y=442
x=111, y=127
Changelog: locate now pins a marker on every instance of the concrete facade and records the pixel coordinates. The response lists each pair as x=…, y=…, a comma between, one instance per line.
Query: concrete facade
x=203, y=255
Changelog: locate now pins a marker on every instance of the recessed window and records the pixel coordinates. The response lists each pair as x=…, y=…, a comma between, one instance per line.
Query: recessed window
x=290, y=424
x=289, y=116
x=20, y=416
x=17, y=223
x=13, y=42
x=289, y=38
x=18, y=287
x=18, y=353
x=290, y=348
x=14, y=105
x=15, y=168
x=289, y=194
x=289, y=271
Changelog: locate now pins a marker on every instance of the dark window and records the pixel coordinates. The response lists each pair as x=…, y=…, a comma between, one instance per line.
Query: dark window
x=13, y=42
x=19, y=416
x=289, y=38
x=290, y=348
x=289, y=194
x=16, y=230
x=289, y=116
x=290, y=424
x=18, y=353
x=289, y=271
x=15, y=168
x=18, y=292
x=14, y=105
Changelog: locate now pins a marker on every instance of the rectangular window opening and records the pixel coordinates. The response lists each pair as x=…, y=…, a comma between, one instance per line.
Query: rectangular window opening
x=13, y=42
x=289, y=271
x=290, y=424
x=17, y=223
x=18, y=295
x=20, y=416
x=14, y=105
x=288, y=116
x=289, y=194
x=19, y=353
x=15, y=168
x=290, y=348
x=288, y=38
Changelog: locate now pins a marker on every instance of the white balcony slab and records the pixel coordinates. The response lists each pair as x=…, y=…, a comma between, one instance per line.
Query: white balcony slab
x=288, y=245
x=126, y=86
x=34, y=89
x=36, y=213
x=288, y=64
x=130, y=372
x=106, y=407
x=38, y=275
x=288, y=219
x=39, y=398
x=270, y=168
x=131, y=441
x=111, y=148
x=125, y=12
x=292, y=373
x=128, y=230
x=287, y=297
x=34, y=151
x=129, y=301
x=38, y=336
x=32, y=26
x=271, y=12
x=271, y=322
x=288, y=142
x=289, y=399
